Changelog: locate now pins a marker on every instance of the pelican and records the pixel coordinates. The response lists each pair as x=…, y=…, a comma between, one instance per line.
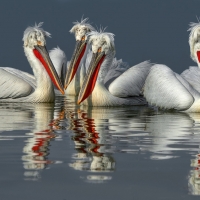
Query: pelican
x=76, y=67
x=95, y=92
x=166, y=89
x=19, y=86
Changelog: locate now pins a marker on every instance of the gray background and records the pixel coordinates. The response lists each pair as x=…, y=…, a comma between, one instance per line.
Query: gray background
x=153, y=30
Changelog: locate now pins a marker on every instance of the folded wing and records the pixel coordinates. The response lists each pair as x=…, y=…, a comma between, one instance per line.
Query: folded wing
x=168, y=90
x=130, y=82
x=15, y=83
x=192, y=75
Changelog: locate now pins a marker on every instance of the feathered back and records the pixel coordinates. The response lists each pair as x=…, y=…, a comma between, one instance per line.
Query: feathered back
x=116, y=69
x=101, y=39
x=39, y=32
x=59, y=60
x=193, y=37
x=83, y=26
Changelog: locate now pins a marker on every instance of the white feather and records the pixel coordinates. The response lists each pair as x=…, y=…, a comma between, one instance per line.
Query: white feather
x=130, y=83
x=13, y=86
x=101, y=39
x=194, y=38
x=123, y=82
x=168, y=90
x=59, y=60
x=81, y=28
x=18, y=86
x=31, y=33
x=116, y=69
x=192, y=75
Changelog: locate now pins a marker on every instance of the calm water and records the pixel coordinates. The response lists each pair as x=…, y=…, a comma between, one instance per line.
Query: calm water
x=65, y=151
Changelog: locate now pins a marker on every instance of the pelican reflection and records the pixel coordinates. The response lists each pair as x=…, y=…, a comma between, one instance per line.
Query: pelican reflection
x=38, y=124
x=166, y=131
x=91, y=143
x=194, y=174
x=37, y=145
x=101, y=132
x=172, y=132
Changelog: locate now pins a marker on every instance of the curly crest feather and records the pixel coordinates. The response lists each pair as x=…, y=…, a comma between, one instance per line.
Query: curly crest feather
x=102, y=39
x=84, y=23
x=36, y=31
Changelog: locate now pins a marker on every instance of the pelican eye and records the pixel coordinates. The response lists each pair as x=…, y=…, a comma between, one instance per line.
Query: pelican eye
x=99, y=50
x=83, y=38
x=39, y=43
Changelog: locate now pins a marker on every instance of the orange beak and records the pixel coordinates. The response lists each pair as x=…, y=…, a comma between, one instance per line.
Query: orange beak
x=91, y=77
x=42, y=55
x=75, y=61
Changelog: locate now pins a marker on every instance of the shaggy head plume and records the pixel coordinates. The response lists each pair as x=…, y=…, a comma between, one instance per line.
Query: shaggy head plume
x=35, y=35
x=103, y=40
x=80, y=29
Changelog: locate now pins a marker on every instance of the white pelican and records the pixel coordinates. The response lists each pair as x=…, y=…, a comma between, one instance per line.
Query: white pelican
x=18, y=86
x=166, y=89
x=76, y=68
x=128, y=84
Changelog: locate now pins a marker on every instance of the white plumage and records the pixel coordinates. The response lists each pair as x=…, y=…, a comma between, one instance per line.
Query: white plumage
x=130, y=82
x=59, y=59
x=80, y=29
x=192, y=75
x=18, y=86
x=168, y=90
x=113, y=80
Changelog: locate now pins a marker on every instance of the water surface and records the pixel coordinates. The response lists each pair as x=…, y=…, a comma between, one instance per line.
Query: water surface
x=65, y=151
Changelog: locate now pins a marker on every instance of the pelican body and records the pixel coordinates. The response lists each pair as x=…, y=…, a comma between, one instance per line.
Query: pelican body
x=123, y=89
x=168, y=90
x=18, y=86
x=74, y=73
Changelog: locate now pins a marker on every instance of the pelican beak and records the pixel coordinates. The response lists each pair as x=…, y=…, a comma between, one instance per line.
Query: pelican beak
x=91, y=77
x=42, y=55
x=75, y=61
x=198, y=55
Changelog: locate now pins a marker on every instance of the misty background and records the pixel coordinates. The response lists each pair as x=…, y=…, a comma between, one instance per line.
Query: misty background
x=144, y=29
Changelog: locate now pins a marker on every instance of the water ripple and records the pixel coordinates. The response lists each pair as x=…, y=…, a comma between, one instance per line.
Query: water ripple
x=96, y=137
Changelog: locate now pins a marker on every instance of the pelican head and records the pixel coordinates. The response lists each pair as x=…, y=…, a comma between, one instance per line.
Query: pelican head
x=102, y=42
x=102, y=47
x=34, y=42
x=34, y=36
x=194, y=41
x=80, y=29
